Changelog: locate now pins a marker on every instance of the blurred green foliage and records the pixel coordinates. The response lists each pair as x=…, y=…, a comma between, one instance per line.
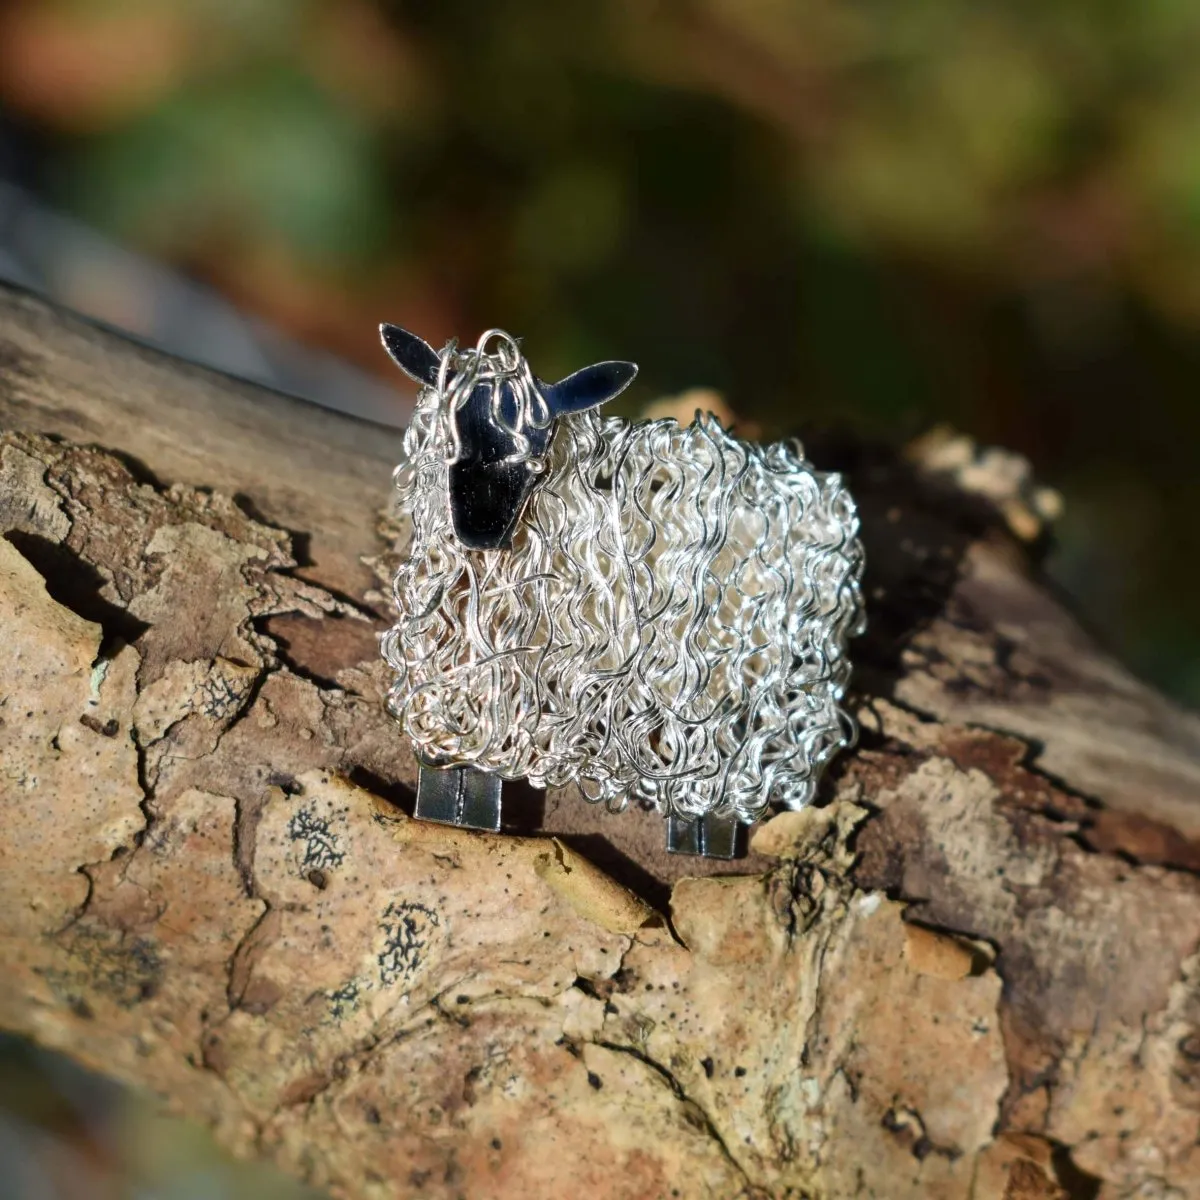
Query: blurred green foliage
x=845, y=212
x=258, y=148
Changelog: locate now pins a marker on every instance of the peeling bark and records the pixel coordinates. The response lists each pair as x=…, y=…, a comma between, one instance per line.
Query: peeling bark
x=973, y=972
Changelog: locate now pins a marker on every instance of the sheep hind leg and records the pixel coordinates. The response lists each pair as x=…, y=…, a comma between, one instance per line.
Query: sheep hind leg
x=461, y=796
x=709, y=836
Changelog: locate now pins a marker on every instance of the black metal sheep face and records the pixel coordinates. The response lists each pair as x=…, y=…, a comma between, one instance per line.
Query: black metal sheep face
x=501, y=427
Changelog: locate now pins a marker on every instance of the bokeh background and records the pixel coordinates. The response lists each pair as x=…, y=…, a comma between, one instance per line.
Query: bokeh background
x=874, y=217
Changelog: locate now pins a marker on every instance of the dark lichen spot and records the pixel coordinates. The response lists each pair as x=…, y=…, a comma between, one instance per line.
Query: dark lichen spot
x=126, y=969
x=222, y=697
x=405, y=927
x=707, y=1064
x=321, y=849
x=345, y=1000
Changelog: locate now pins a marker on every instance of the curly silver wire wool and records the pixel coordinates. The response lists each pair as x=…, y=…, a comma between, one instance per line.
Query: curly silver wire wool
x=460, y=372
x=668, y=625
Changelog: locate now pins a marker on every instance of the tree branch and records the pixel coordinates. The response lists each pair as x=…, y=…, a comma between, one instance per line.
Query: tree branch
x=973, y=972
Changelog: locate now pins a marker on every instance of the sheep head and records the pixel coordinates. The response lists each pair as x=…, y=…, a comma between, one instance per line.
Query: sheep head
x=497, y=418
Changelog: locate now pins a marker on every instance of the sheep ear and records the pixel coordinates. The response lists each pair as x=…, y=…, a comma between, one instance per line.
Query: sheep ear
x=587, y=388
x=413, y=355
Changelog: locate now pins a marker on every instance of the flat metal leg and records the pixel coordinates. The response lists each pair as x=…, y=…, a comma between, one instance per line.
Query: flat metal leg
x=461, y=796
x=708, y=836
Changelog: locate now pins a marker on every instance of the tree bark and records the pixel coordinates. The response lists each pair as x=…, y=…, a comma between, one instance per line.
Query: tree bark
x=974, y=971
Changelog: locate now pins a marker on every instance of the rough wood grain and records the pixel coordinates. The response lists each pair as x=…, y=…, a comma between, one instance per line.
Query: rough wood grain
x=973, y=972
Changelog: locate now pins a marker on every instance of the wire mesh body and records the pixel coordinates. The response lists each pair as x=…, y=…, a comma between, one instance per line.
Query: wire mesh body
x=669, y=625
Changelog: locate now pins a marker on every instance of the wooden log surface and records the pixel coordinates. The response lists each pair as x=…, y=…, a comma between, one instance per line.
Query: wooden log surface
x=972, y=971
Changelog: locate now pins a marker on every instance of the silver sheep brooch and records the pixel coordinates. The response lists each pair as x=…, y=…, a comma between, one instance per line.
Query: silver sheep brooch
x=656, y=613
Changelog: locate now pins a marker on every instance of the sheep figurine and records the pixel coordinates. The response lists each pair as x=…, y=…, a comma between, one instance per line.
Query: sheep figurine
x=658, y=613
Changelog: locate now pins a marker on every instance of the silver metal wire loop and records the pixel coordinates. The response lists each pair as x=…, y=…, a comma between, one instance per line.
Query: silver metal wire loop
x=460, y=372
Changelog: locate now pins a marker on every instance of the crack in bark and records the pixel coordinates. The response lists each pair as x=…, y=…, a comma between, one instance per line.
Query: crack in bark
x=690, y=1105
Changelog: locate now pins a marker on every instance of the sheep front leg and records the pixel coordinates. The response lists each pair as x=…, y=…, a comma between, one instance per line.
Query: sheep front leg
x=462, y=796
x=709, y=836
